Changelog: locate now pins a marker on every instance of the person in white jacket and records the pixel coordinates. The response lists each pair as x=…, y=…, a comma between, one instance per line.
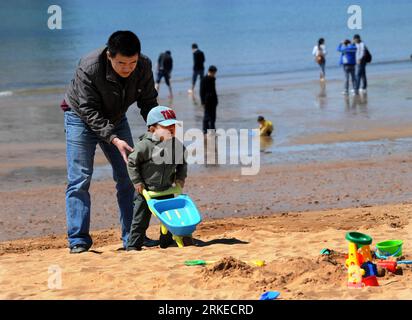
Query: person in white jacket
x=360, y=64
x=319, y=51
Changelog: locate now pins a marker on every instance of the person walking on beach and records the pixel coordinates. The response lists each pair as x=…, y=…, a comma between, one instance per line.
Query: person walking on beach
x=198, y=66
x=348, y=60
x=208, y=97
x=107, y=81
x=361, y=61
x=164, y=69
x=319, y=51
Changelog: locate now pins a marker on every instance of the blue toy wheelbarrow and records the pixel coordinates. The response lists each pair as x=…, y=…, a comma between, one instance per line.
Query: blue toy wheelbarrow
x=179, y=215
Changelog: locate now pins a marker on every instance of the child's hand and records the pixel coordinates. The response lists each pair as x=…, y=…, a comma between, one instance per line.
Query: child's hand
x=139, y=187
x=181, y=183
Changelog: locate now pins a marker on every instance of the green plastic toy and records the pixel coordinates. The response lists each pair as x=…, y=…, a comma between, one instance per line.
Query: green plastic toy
x=358, y=238
x=258, y=263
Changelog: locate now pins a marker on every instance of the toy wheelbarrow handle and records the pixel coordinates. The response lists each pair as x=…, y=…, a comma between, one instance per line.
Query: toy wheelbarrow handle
x=153, y=194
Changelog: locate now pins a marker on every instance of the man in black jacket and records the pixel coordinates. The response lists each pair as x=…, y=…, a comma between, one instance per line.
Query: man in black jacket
x=209, y=99
x=198, y=65
x=107, y=81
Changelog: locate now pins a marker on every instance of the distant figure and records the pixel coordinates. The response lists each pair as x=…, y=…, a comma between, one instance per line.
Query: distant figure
x=348, y=60
x=198, y=65
x=361, y=61
x=164, y=69
x=319, y=51
x=209, y=99
x=265, y=126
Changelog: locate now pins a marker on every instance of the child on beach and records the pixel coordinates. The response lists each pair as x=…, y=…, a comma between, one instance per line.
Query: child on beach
x=265, y=126
x=155, y=164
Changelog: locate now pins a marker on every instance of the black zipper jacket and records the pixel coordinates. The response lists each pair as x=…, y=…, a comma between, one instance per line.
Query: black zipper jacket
x=208, y=95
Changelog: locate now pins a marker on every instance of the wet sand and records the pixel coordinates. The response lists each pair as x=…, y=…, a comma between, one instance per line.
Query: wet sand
x=39, y=210
x=376, y=133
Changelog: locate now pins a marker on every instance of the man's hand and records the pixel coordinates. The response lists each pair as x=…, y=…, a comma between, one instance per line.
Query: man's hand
x=123, y=148
x=181, y=183
x=139, y=187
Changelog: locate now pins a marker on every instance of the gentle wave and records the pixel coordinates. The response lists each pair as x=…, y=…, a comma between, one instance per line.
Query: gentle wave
x=61, y=89
x=6, y=93
x=33, y=91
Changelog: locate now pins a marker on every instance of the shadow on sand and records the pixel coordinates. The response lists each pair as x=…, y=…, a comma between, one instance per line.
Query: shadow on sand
x=227, y=241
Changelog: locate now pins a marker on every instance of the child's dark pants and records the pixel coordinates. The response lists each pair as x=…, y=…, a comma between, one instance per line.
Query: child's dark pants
x=141, y=220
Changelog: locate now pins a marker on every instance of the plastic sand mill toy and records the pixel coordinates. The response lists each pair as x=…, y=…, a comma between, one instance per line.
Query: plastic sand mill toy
x=361, y=269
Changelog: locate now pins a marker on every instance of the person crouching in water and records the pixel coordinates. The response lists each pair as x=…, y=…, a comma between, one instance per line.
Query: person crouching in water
x=154, y=165
x=265, y=127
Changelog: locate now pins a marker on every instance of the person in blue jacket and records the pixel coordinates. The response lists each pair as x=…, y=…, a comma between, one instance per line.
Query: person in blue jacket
x=348, y=60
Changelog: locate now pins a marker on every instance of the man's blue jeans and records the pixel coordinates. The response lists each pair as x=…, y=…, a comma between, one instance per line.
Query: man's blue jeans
x=349, y=71
x=361, y=76
x=81, y=144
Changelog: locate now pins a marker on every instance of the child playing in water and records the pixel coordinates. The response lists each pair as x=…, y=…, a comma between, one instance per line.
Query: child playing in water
x=265, y=126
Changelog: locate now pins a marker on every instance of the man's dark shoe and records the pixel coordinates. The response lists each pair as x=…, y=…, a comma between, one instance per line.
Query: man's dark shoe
x=134, y=249
x=79, y=248
x=150, y=243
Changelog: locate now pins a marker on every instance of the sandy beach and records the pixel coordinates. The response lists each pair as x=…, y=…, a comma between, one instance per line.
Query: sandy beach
x=306, y=208
x=289, y=243
x=218, y=193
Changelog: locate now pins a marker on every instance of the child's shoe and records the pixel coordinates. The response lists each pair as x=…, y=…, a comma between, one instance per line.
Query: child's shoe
x=165, y=239
x=150, y=242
